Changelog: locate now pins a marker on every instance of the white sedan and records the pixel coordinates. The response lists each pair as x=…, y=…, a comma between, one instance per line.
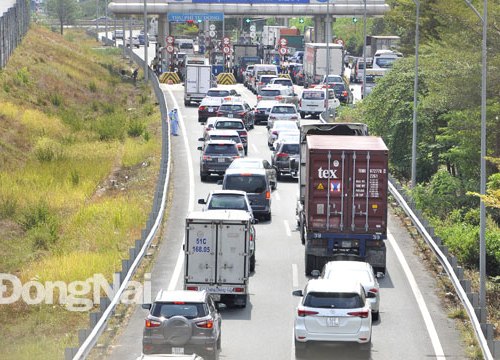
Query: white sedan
x=278, y=126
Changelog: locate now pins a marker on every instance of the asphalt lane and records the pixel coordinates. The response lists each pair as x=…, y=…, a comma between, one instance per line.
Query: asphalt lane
x=264, y=329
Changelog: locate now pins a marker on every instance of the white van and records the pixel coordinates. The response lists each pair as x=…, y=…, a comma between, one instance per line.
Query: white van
x=261, y=69
x=313, y=101
x=384, y=59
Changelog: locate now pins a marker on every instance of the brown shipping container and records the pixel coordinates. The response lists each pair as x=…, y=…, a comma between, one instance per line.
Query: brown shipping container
x=348, y=173
x=289, y=32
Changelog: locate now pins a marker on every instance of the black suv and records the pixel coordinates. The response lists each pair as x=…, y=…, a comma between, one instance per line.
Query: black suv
x=238, y=109
x=182, y=322
x=216, y=156
x=286, y=159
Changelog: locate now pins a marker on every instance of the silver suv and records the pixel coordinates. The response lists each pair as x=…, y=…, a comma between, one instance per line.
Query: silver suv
x=182, y=322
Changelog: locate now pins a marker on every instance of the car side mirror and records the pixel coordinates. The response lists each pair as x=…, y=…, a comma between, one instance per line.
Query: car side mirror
x=201, y=139
x=146, y=306
x=202, y=201
x=370, y=295
x=255, y=221
x=219, y=182
x=200, y=148
x=220, y=306
x=297, y=293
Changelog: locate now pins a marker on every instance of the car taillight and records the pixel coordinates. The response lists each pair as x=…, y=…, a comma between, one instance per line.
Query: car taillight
x=282, y=155
x=373, y=290
x=152, y=324
x=236, y=157
x=344, y=93
x=259, y=97
x=294, y=117
x=268, y=195
x=238, y=289
x=361, y=314
x=274, y=132
x=202, y=108
x=300, y=102
x=207, y=324
x=279, y=97
x=243, y=113
x=304, y=313
x=207, y=158
x=260, y=83
x=192, y=288
x=219, y=113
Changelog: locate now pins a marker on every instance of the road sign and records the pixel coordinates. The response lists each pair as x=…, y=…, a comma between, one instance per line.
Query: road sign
x=226, y=41
x=252, y=28
x=183, y=17
x=211, y=27
x=226, y=50
x=170, y=49
x=283, y=50
x=170, y=39
x=212, y=33
x=339, y=41
x=252, y=35
x=283, y=42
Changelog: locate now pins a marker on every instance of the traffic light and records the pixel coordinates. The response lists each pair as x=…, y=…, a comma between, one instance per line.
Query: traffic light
x=247, y=20
x=189, y=22
x=354, y=20
x=199, y=21
x=301, y=20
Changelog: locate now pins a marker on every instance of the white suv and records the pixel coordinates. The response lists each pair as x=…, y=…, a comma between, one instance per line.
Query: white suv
x=313, y=101
x=332, y=311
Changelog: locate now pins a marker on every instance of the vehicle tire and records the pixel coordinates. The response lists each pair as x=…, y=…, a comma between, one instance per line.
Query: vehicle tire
x=366, y=346
x=274, y=185
x=278, y=176
x=375, y=315
x=177, y=331
x=214, y=355
x=302, y=229
x=187, y=102
x=300, y=349
x=219, y=342
x=268, y=216
x=246, y=151
x=203, y=177
x=252, y=263
x=310, y=264
x=302, y=115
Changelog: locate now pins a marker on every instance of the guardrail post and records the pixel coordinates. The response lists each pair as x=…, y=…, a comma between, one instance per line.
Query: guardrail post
x=466, y=285
x=444, y=250
x=144, y=234
x=487, y=331
x=496, y=349
x=132, y=253
x=138, y=245
x=481, y=315
x=459, y=271
x=473, y=298
x=82, y=335
x=69, y=353
x=94, y=318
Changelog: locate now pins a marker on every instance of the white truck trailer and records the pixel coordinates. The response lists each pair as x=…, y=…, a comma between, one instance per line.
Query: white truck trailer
x=315, y=62
x=197, y=82
x=218, y=248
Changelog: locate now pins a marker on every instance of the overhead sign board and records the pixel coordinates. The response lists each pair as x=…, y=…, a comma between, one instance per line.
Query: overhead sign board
x=248, y=1
x=183, y=17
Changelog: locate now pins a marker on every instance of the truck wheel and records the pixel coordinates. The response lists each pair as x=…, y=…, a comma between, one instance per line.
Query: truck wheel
x=302, y=115
x=300, y=349
x=219, y=342
x=203, y=177
x=310, y=264
x=302, y=229
x=252, y=263
x=187, y=102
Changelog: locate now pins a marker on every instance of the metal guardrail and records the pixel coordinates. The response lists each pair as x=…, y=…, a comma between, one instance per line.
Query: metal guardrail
x=98, y=321
x=454, y=271
x=14, y=23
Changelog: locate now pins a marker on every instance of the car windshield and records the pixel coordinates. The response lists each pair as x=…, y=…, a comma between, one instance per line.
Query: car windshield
x=285, y=125
x=283, y=110
x=246, y=164
x=272, y=93
x=236, y=202
x=221, y=149
x=333, y=300
x=249, y=184
x=385, y=63
x=266, y=79
x=290, y=148
x=218, y=93
x=285, y=82
x=313, y=95
x=333, y=79
x=358, y=275
x=234, y=138
x=231, y=107
x=338, y=87
x=229, y=125
x=188, y=310
x=186, y=46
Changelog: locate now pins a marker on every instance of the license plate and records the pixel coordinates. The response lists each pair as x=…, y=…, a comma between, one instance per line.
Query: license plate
x=332, y=321
x=178, y=350
x=230, y=115
x=346, y=244
x=221, y=160
x=210, y=110
x=215, y=297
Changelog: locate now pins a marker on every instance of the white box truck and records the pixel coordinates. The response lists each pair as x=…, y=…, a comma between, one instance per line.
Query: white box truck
x=315, y=62
x=197, y=82
x=218, y=248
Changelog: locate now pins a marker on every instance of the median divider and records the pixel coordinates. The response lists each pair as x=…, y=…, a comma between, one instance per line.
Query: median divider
x=170, y=78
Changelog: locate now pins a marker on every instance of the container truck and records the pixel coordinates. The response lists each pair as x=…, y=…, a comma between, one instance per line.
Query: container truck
x=342, y=204
x=270, y=35
x=315, y=62
x=243, y=55
x=197, y=82
x=219, y=246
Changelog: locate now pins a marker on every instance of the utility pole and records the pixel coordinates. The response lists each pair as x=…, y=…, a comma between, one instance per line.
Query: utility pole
x=415, y=102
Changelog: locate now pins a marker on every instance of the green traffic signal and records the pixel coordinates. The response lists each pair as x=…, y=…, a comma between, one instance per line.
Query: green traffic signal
x=247, y=20
x=354, y=20
x=301, y=20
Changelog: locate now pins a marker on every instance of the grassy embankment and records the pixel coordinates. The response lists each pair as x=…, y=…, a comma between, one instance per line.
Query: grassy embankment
x=79, y=158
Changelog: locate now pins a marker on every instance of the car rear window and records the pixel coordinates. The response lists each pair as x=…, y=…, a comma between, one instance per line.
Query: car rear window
x=250, y=184
x=270, y=92
x=290, y=148
x=338, y=87
x=236, y=202
x=333, y=300
x=313, y=95
x=231, y=108
x=265, y=79
x=234, y=138
x=221, y=149
x=188, y=310
x=283, y=110
x=218, y=93
x=229, y=125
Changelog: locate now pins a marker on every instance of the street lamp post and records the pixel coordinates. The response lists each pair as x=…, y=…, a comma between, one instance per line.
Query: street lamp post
x=328, y=30
x=146, y=42
x=415, y=97
x=364, y=49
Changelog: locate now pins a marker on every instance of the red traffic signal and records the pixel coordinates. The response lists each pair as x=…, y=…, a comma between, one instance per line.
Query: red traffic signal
x=189, y=21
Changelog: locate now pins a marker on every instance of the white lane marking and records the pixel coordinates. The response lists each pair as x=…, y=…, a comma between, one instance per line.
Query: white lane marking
x=287, y=228
x=295, y=276
x=254, y=148
x=436, y=344
x=180, y=259
x=276, y=195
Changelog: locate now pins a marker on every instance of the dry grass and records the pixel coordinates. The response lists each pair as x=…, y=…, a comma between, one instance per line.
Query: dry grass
x=76, y=186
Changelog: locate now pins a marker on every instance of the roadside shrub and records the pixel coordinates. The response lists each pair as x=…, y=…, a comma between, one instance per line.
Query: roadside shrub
x=75, y=177
x=92, y=87
x=47, y=150
x=43, y=236
x=148, y=109
x=55, y=99
x=146, y=136
x=110, y=127
x=8, y=207
x=22, y=76
x=35, y=215
x=135, y=128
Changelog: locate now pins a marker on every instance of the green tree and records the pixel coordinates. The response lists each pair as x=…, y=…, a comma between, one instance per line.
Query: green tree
x=65, y=11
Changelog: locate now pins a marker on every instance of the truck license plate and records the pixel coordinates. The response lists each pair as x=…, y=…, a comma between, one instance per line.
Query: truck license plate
x=210, y=110
x=221, y=160
x=215, y=297
x=332, y=321
x=346, y=243
x=230, y=115
x=178, y=350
